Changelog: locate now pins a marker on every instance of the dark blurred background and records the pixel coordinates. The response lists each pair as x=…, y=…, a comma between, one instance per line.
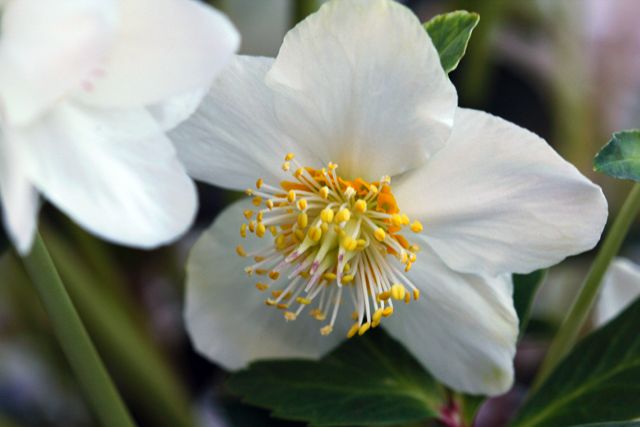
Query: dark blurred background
x=568, y=70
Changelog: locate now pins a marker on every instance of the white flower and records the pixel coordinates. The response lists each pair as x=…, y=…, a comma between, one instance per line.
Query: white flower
x=620, y=288
x=359, y=83
x=87, y=89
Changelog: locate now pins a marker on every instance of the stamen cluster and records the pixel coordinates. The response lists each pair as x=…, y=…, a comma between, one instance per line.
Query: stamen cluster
x=330, y=236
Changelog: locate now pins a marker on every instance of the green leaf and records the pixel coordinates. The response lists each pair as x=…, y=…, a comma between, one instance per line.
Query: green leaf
x=598, y=381
x=450, y=34
x=620, y=158
x=4, y=241
x=525, y=287
x=370, y=380
x=613, y=424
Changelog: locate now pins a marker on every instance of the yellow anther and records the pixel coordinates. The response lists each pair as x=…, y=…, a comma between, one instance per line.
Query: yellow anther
x=302, y=204
x=383, y=296
x=414, y=248
x=289, y=316
x=257, y=201
x=397, y=291
x=259, y=183
x=364, y=328
x=373, y=189
x=388, y=311
x=260, y=216
x=349, y=244
x=240, y=251
x=324, y=192
x=303, y=301
x=404, y=257
x=360, y=206
x=320, y=316
x=416, y=226
x=379, y=234
x=354, y=315
x=243, y=230
x=291, y=196
x=248, y=213
x=269, y=204
x=405, y=219
x=274, y=275
x=347, y=278
x=324, y=227
x=396, y=220
x=326, y=215
x=252, y=226
x=315, y=234
x=289, y=157
x=258, y=258
x=407, y=267
x=261, y=271
x=361, y=243
x=304, y=274
x=270, y=302
x=303, y=220
x=416, y=294
x=298, y=173
x=377, y=316
x=326, y=330
x=332, y=166
x=299, y=235
x=330, y=276
x=262, y=286
x=280, y=241
x=407, y=298
x=261, y=229
x=343, y=216
x=274, y=230
x=353, y=330
x=248, y=192
x=276, y=293
x=339, y=231
x=347, y=267
x=249, y=271
x=282, y=306
x=286, y=166
x=412, y=257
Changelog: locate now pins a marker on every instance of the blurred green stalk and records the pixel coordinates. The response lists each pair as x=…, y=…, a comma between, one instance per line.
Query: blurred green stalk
x=572, y=324
x=74, y=340
x=137, y=365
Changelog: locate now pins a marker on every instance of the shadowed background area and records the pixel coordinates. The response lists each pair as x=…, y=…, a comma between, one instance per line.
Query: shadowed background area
x=568, y=70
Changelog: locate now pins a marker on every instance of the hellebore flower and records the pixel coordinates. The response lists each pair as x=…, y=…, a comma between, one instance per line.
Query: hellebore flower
x=87, y=90
x=379, y=202
x=620, y=288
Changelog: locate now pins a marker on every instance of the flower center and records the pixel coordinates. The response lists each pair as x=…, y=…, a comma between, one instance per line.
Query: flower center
x=330, y=237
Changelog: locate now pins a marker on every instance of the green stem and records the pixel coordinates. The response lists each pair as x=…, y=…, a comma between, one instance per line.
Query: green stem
x=570, y=328
x=74, y=340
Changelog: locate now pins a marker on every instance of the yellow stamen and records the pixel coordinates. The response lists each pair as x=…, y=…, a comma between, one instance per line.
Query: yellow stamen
x=364, y=328
x=243, y=230
x=360, y=206
x=240, y=251
x=379, y=234
x=326, y=215
x=343, y=216
x=303, y=220
x=397, y=291
x=416, y=226
x=354, y=330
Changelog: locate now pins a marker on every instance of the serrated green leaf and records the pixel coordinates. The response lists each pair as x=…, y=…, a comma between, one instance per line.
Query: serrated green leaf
x=450, y=34
x=525, y=287
x=599, y=381
x=620, y=158
x=369, y=380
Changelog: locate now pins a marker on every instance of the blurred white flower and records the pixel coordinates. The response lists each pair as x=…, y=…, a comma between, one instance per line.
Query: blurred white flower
x=359, y=83
x=620, y=288
x=87, y=90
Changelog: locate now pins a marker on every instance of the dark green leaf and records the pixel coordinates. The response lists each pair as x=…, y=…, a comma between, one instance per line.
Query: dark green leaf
x=598, y=381
x=620, y=158
x=613, y=424
x=370, y=380
x=525, y=287
x=450, y=34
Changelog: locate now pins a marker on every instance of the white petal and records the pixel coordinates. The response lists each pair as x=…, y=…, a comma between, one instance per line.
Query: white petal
x=173, y=111
x=234, y=136
x=361, y=82
x=49, y=47
x=164, y=48
x=620, y=288
x=463, y=329
x=498, y=199
x=19, y=199
x=113, y=172
x=225, y=314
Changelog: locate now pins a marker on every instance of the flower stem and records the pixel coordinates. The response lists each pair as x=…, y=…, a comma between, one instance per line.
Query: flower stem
x=570, y=328
x=74, y=340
